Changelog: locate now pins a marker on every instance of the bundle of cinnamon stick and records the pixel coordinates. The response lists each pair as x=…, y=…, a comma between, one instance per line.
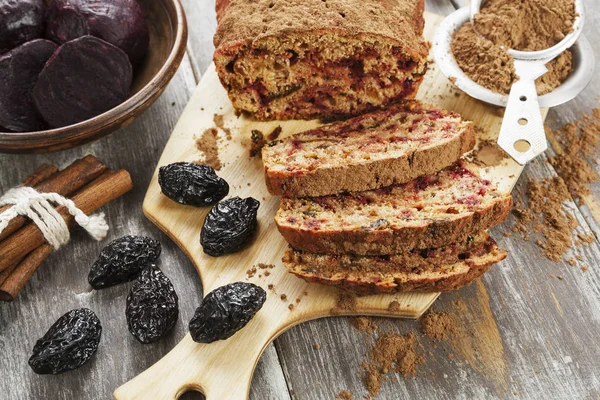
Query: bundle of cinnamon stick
x=88, y=182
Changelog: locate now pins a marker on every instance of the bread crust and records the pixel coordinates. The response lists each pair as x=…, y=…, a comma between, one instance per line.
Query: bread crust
x=246, y=21
x=458, y=275
x=398, y=240
x=371, y=174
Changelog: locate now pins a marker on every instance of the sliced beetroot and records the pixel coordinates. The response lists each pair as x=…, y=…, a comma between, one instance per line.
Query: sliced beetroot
x=20, y=21
x=19, y=70
x=120, y=22
x=84, y=78
x=65, y=25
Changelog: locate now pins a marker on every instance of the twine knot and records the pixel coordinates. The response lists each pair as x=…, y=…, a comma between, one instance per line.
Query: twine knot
x=36, y=206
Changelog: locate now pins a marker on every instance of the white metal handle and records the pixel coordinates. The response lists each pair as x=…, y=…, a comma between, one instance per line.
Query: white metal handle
x=522, y=133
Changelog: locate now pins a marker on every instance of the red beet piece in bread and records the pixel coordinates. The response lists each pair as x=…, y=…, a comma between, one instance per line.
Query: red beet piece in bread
x=19, y=71
x=84, y=78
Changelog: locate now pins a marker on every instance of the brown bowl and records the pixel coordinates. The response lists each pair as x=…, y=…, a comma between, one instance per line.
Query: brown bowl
x=168, y=39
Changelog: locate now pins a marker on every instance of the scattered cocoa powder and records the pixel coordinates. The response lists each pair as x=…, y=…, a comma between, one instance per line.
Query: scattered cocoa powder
x=437, y=325
x=344, y=395
x=219, y=121
x=207, y=144
x=364, y=324
x=546, y=198
x=346, y=302
x=488, y=154
x=257, y=142
x=575, y=143
x=391, y=352
x=251, y=272
x=394, y=307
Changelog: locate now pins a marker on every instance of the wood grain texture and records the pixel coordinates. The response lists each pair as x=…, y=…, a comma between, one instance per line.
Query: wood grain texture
x=540, y=343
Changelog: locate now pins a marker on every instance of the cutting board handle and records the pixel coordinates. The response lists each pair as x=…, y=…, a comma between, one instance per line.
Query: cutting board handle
x=212, y=369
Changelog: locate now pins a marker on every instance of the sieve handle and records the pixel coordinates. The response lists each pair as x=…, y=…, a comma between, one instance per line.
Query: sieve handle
x=522, y=133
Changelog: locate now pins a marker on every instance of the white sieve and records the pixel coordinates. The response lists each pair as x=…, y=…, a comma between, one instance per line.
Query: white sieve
x=522, y=133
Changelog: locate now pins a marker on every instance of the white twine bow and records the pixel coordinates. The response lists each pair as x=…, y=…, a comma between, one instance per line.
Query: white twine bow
x=36, y=206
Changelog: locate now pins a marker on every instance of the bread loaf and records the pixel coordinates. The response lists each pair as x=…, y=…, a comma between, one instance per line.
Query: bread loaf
x=303, y=59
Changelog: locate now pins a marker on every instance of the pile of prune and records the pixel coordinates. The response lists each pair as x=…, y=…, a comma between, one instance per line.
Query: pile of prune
x=226, y=310
x=192, y=184
x=66, y=61
x=229, y=226
x=123, y=260
x=152, y=306
x=68, y=344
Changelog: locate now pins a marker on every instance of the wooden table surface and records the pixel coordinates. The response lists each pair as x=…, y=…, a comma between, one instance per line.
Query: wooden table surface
x=521, y=332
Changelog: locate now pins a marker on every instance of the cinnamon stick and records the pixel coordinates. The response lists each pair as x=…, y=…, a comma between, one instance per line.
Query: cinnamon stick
x=102, y=190
x=16, y=280
x=65, y=183
x=38, y=176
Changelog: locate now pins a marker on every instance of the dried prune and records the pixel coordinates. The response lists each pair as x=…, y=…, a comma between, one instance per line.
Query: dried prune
x=192, y=184
x=19, y=70
x=226, y=310
x=84, y=78
x=119, y=22
x=68, y=344
x=229, y=225
x=20, y=21
x=122, y=260
x=152, y=306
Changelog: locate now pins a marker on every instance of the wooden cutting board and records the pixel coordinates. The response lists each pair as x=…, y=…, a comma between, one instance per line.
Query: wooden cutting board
x=223, y=370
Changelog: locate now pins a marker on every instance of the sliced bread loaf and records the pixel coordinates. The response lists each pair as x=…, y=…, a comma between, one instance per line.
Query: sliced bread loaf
x=427, y=212
x=371, y=151
x=437, y=270
x=304, y=59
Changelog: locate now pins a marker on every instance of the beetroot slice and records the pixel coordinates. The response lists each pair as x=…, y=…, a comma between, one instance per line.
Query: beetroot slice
x=20, y=21
x=65, y=25
x=19, y=70
x=119, y=22
x=84, y=78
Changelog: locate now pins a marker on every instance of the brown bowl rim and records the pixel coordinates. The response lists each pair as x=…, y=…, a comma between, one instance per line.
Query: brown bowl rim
x=111, y=120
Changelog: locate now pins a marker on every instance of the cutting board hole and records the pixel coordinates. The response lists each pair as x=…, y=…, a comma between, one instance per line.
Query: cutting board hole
x=192, y=395
x=523, y=98
x=522, y=146
x=523, y=121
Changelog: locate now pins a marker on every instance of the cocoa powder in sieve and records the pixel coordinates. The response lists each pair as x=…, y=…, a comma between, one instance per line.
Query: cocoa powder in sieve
x=502, y=24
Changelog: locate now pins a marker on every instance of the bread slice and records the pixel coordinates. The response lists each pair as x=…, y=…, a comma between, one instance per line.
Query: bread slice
x=371, y=151
x=438, y=270
x=306, y=59
x=427, y=212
